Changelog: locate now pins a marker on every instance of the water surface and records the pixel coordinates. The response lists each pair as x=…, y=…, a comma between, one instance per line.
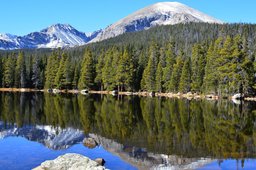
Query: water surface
x=134, y=132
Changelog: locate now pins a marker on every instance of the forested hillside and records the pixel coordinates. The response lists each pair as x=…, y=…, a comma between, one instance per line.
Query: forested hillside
x=196, y=57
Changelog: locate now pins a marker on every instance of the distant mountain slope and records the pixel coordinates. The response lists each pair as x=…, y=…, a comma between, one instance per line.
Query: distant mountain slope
x=64, y=35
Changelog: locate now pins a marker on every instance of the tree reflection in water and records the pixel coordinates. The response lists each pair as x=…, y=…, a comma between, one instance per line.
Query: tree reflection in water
x=217, y=129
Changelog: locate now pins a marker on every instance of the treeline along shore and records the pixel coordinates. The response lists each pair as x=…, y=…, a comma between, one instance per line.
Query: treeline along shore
x=194, y=59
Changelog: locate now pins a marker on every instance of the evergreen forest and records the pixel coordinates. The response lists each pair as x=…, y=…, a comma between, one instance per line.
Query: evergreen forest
x=194, y=57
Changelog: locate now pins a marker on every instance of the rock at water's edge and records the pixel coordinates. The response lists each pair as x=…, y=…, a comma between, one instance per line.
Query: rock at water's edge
x=100, y=161
x=70, y=162
x=90, y=143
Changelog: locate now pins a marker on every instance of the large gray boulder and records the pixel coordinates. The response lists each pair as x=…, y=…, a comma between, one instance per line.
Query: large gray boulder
x=70, y=162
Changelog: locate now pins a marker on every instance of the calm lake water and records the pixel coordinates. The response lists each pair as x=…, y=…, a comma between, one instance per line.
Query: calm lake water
x=133, y=132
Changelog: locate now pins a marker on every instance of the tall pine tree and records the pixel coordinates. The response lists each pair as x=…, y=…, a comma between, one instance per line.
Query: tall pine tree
x=211, y=78
x=226, y=68
x=37, y=79
x=9, y=71
x=170, y=61
x=99, y=71
x=198, y=67
x=52, y=69
x=125, y=72
x=87, y=75
x=185, y=79
x=20, y=72
x=176, y=73
x=149, y=74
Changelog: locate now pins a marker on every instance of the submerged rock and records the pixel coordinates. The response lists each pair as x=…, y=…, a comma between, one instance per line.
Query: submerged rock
x=90, y=143
x=70, y=162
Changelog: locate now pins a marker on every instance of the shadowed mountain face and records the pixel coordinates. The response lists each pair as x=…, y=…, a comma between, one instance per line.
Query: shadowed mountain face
x=64, y=35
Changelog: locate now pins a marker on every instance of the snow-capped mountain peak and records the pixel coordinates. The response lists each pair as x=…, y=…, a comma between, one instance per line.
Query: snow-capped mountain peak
x=62, y=35
x=162, y=13
x=58, y=28
x=177, y=7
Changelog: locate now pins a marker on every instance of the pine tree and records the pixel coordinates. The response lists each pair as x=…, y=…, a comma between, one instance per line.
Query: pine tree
x=176, y=73
x=20, y=72
x=226, y=67
x=52, y=69
x=170, y=61
x=244, y=72
x=64, y=76
x=9, y=72
x=159, y=71
x=87, y=72
x=109, y=69
x=76, y=77
x=185, y=79
x=60, y=76
x=211, y=78
x=29, y=71
x=125, y=72
x=37, y=80
x=68, y=73
x=159, y=78
x=99, y=71
x=149, y=74
x=198, y=67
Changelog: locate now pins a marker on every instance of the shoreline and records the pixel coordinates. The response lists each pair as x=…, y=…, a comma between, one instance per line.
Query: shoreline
x=179, y=95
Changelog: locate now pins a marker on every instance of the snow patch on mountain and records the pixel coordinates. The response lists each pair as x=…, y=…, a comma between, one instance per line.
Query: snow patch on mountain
x=7, y=37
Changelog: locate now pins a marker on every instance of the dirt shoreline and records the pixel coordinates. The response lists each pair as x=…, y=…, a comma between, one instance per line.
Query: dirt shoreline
x=189, y=96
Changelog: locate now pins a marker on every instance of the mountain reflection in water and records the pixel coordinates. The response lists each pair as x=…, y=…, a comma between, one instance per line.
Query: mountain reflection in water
x=145, y=132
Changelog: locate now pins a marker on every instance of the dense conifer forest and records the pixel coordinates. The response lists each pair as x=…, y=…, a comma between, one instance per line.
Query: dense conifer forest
x=193, y=57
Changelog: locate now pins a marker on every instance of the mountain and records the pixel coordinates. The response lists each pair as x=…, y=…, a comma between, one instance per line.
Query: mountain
x=8, y=41
x=163, y=13
x=58, y=35
x=64, y=35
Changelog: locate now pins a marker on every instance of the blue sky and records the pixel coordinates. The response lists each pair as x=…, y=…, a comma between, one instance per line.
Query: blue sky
x=21, y=17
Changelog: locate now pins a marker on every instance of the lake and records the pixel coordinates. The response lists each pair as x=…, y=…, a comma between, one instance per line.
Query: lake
x=133, y=132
